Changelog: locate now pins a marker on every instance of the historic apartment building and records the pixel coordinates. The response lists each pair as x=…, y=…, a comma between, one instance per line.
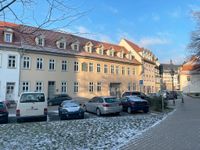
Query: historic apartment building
x=190, y=76
x=167, y=77
x=149, y=72
x=54, y=62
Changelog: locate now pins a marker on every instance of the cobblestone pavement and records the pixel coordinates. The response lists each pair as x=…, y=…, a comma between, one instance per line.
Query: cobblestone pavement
x=179, y=131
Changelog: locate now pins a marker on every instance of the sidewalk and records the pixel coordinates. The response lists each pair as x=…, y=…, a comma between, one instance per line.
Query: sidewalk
x=180, y=131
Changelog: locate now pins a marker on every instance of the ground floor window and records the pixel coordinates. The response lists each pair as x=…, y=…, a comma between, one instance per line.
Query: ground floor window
x=64, y=87
x=129, y=86
x=91, y=87
x=98, y=86
x=25, y=86
x=39, y=87
x=76, y=85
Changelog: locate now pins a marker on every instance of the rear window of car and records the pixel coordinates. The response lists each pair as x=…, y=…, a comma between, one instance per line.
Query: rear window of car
x=111, y=100
x=32, y=97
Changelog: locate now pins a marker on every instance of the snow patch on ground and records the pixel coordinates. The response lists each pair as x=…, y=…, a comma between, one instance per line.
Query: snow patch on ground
x=94, y=133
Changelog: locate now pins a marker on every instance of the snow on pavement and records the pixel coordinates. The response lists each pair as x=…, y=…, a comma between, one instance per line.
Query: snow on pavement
x=94, y=133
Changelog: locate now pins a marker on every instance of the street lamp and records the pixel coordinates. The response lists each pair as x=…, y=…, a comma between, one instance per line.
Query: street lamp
x=172, y=72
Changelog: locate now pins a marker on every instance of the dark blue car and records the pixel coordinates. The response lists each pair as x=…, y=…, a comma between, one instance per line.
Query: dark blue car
x=134, y=103
x=3, y=113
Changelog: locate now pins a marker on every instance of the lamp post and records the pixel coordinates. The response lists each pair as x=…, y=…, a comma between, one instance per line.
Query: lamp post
x=172, y=72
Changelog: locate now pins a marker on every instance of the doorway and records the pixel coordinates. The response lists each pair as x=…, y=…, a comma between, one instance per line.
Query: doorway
x=51, y=89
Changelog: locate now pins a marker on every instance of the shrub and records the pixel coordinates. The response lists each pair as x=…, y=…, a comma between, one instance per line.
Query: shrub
x=156, y=103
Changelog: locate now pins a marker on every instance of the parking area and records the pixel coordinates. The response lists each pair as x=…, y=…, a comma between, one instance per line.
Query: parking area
x=53, y=114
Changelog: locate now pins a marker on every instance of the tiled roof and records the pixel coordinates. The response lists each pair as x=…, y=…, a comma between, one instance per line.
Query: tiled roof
x=25, y=36
x=192, y=65
x=134, y=46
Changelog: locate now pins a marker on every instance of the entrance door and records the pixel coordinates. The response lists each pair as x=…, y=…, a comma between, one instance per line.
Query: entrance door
x=51, y=89
x=10, y=87
x=115, y=89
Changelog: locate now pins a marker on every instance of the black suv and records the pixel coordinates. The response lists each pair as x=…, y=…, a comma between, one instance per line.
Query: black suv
x=136, y=93
x=58, y=99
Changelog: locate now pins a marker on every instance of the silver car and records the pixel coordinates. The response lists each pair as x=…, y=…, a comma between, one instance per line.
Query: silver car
x=103, y=105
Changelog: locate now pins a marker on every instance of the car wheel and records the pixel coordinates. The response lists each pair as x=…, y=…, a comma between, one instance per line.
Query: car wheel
x=50, y=104
x=129, y=110
x=98, y=112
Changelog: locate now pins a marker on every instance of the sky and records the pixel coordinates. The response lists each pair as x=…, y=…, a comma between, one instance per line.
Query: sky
x=164, y=27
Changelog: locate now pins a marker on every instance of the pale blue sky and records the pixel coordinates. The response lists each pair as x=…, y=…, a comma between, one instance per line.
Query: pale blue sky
x=159, y=25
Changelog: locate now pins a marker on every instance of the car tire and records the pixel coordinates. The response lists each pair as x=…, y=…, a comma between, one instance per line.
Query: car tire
x=50, y=104
x=146, y=111
x=129, y=110
x=98, y=112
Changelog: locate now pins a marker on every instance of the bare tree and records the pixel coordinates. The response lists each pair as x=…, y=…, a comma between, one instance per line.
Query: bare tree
x=194, y=45
x=56, y=14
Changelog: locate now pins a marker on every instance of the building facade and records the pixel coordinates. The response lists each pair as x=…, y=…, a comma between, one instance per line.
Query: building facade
x=54, y=62
x=190, y=76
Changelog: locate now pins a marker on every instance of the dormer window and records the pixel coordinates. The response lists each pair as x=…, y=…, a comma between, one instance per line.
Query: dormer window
x=61, y=43
x=39, y=40
x=111, y=53
x=88, y=47
x=75, y=46
x=121, y=54
x=8, y=37
x=100, y=50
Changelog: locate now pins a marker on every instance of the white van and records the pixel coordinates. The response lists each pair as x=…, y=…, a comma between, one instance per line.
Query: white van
x=31, y=105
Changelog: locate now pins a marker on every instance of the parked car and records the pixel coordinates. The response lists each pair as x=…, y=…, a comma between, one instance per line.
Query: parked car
x=3, y=113
x=103, y=105
x=31, y=105
x=134, y=103
x=70, y=109
x=58, y=99
x=7, y=103
x=136, y=93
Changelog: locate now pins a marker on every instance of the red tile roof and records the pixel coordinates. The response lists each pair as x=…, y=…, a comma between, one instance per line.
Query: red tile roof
x=192, y=65
x=25, y=36
x=134, y=46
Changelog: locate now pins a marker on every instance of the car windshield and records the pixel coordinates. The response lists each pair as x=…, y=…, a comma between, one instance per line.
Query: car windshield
x=32, y=97
x=111, y=100
x=67, y=105
x=134, y=98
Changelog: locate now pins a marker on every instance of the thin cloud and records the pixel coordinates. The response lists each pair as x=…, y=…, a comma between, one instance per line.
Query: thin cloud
x=151, y=41
x=113, y=10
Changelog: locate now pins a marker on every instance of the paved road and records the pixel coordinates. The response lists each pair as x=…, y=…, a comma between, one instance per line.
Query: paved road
x=179, y=131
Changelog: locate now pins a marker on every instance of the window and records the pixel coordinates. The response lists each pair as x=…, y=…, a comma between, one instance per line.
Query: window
x=101, y=51
x=134, y=71
x=64, y=65
x=98, y=68
x=26, y=62
x=64, y=87
x=25, y=86
x=76, y=66
x=98, y=86
x=76, y=87
x=117, y=69
x=62, y=45
x=134, y=87
x=39, y=40
x=123, y=70
x=39, y=87
x=88, y=49
x=111, y=53
x=84, y=66
x=128, y=71
x=112, y=69
x=90, y=67
x=51, y=64
x=91, y=87
x=188, y=78
x=75, y=46
x=39, y=63
x=8, y=37
x=11, y=61
x=105, y=68
x=129, y=86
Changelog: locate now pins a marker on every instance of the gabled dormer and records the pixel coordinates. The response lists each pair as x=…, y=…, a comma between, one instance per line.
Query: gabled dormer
x=61, y=44
x=75, y=45
x=129, y=56
x=40, y=40
x=120, y=54
x=111, y=52
x=8, y=35
x=88, y=47
x=100, y=49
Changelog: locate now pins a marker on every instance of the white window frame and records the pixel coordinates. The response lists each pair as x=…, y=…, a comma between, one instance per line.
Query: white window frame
x=91, y=67
x=64, y=65
x=98, y=68
x=117, y=70
x=105, y=68
x=52, y=64
x=128, y=71
x=76, y=66
x=99, y=86
x=64, y=87
x=112, y=69
x=10, y=38
x=123, y=71
x=39, y=63
x=76, y=87
x=25, y=86
x=39, y=86
x=26, y=62
x=91, y=87
x=13, y=61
